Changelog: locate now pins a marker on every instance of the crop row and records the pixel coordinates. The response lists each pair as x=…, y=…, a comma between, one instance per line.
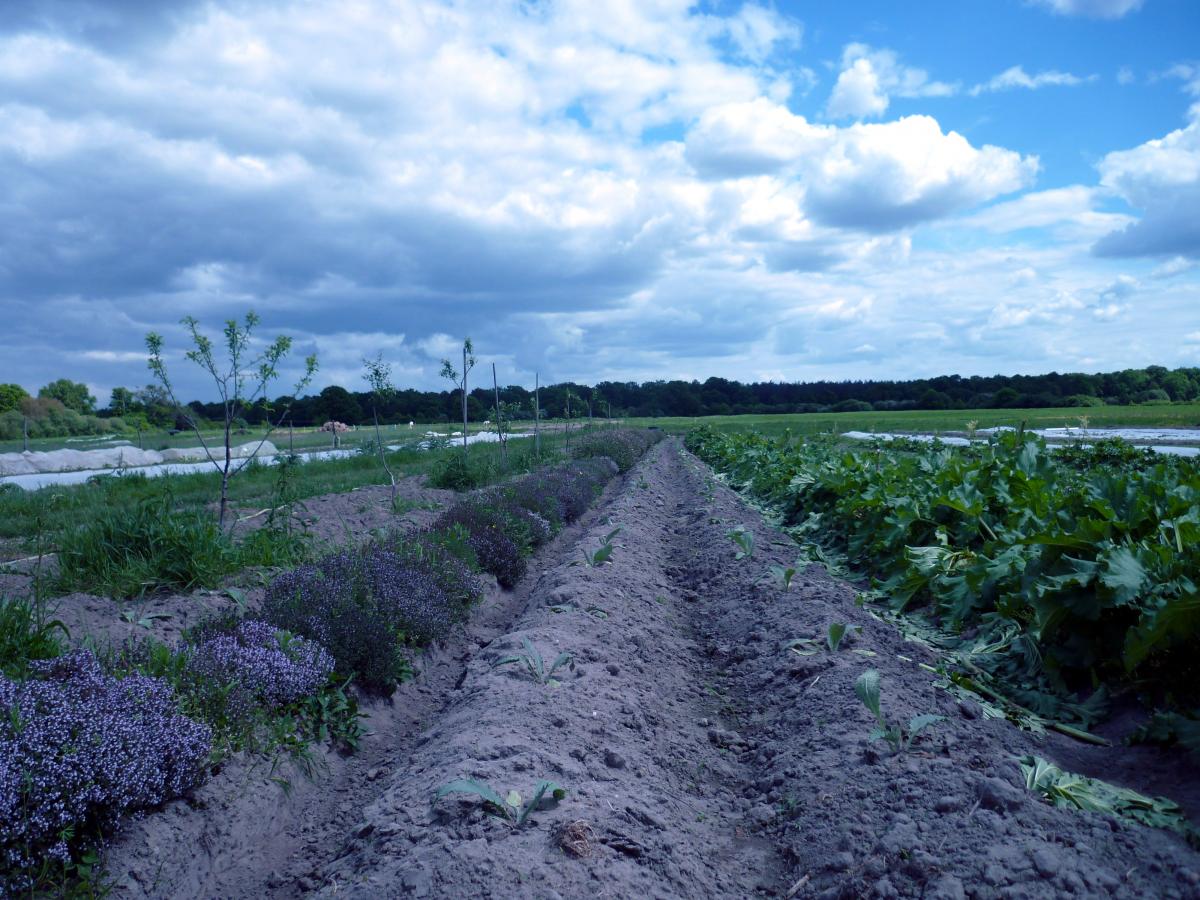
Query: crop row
x=1057, y=580
x=90, y=735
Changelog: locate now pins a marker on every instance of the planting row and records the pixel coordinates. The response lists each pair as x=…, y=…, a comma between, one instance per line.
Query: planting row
x=94, y=734
x=1045, y=576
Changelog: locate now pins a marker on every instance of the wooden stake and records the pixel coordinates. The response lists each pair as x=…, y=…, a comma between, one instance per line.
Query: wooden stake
x=499, y=418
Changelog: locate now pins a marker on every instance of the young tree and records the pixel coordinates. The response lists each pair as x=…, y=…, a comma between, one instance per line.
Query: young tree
x=242, y=384
x=378, y=376
x=460, y=383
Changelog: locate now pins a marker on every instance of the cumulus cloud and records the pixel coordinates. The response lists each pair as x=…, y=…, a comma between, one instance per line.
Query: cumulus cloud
x=1098, y=9
x=1072, y=211
x=1161, y=178
x=1017, y=77
x=874, y=177
x=868, y=80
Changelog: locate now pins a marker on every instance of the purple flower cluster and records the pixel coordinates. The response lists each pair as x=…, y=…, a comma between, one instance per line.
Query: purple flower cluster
x=624, y=446
x=362, y=606
x=79, y=746
x=257, y=665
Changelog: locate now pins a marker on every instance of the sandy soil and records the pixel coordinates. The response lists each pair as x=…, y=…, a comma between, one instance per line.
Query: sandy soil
x=701, y=757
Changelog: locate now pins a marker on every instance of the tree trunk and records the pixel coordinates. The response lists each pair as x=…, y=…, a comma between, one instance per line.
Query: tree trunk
x=382, y=455
x=537, y=419
x=464, y=400
x=225, y=473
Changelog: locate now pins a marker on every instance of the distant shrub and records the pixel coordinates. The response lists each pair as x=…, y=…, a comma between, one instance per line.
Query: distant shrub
x=460, y=473
x=79, y=748
x=851, y=406
x=1082, y=400
x=624, y=446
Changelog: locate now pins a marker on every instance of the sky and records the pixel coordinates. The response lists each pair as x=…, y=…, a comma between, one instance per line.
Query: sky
x=591, y=190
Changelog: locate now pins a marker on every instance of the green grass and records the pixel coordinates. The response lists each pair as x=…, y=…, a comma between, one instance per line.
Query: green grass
x=71, y=507
x=1174, y=415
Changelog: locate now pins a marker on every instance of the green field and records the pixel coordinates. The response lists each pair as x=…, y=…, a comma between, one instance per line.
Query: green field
x=1176, y=415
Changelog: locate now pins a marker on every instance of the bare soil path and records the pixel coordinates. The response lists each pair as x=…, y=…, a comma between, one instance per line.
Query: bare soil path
x=701, y=756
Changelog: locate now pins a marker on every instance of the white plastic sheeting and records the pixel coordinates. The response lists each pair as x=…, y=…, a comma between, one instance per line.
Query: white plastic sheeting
x=124, y=457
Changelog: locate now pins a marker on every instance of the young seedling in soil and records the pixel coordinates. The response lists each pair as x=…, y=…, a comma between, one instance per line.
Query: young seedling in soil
x=601, y=554
x=781, y=576
x=834, y=636
x=535, y=665
x=867, y=689
x=510, y=807
x=744, y=540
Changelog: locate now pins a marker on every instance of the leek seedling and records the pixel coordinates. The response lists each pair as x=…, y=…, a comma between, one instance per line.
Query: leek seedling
x=744, y=540
x=535, y=665
x=867, y=689
x=510, y=807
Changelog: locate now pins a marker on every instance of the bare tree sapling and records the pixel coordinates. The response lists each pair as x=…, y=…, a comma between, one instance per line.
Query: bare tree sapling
x=240, y=386
x=460, y=382
x=378, y=375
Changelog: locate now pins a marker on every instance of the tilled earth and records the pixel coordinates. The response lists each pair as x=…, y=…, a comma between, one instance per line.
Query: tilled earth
x=701, y=757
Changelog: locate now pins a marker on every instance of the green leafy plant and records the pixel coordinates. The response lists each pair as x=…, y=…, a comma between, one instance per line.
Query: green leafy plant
x=1061, y=788
x=603, y=553
x=743, y=540
x=27, y=636
x=781, y=576
x=532, y=660
x=510, y=807
x=834, y=635
x=837, y=631
x=898, y=738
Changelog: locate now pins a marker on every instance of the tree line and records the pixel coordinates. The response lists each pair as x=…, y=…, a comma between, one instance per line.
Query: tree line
x=65, y=407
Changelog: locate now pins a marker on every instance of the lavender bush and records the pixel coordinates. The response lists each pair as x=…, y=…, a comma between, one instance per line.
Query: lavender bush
x=447, y=557
x=255, y=667
x=78, y=748
x=624, y=446
x=362, y=606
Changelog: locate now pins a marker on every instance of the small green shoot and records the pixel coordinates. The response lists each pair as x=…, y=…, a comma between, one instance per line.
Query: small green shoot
x=781, y=576
x=601, y=554
x=834, y=636
x=145, y=620
x=743, y=540
x=535, y=665
x=867, y=689
x=837, y=631
x=510, y=807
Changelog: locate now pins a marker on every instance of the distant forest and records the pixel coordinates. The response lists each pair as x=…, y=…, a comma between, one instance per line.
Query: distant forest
x=64, y=407
x=719, y=396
